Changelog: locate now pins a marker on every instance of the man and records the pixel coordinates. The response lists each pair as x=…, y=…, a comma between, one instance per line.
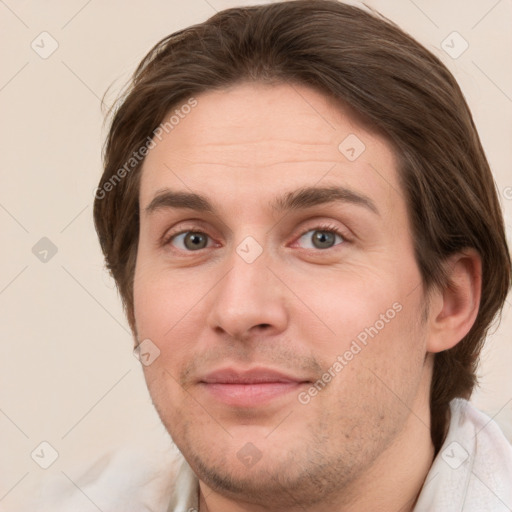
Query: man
x=306, y=236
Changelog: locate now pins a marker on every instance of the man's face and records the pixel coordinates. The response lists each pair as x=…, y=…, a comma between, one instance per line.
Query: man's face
x=291, y=342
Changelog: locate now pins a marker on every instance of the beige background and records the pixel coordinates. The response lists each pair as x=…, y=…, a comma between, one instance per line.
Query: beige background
x=67, y=375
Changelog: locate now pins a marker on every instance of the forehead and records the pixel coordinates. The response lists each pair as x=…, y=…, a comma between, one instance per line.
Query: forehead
x=253, y=139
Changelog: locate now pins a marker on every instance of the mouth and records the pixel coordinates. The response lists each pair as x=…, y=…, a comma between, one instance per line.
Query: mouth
x=250, y=388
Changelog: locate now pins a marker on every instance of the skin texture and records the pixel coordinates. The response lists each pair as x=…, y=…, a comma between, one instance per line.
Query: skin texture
x=360, y=443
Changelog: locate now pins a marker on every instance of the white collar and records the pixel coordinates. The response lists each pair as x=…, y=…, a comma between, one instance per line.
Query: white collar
x=471, y=473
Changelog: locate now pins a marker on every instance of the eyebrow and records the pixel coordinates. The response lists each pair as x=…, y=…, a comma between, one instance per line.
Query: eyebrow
x=302, y=198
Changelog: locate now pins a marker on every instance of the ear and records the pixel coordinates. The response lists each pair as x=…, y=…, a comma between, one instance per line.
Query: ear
x=454, y=308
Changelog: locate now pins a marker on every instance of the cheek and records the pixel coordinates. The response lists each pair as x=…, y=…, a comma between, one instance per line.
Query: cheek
x=163, y=302
x=170, y=312
x=373, y=368
x=372, y=324
x=350, y=305
x=163, y=309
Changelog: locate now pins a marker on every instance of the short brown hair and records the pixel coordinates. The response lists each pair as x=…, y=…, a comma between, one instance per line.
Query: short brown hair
x=392, y=81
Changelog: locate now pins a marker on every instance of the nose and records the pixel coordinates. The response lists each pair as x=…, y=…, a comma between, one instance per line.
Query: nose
x=248, y=299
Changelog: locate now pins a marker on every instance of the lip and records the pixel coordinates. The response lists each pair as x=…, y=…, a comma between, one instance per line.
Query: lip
x=249, y=388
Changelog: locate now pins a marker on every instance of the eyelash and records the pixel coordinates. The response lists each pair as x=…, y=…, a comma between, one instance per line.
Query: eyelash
x=328, y=228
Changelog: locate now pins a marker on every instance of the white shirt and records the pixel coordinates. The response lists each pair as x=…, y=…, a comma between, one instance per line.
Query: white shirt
x=471, y=473
x=473, y=470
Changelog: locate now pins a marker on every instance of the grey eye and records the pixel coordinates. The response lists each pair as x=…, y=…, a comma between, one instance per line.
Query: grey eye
x=191, y=240
x=321, y=238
